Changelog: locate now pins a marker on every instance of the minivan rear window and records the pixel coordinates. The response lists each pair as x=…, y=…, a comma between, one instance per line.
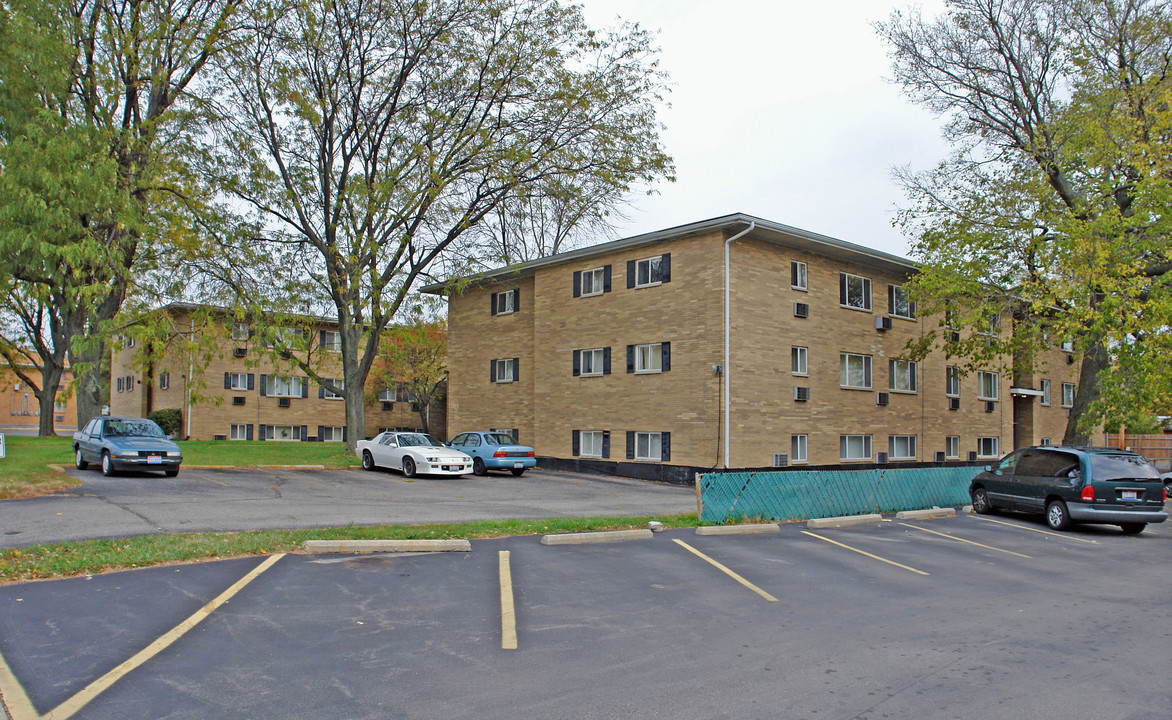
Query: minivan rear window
x=1122, y=467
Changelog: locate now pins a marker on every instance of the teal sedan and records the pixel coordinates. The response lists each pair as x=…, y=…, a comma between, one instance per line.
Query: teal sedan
x=494, y=451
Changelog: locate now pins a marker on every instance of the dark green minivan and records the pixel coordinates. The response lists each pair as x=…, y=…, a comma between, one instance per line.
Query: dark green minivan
x=1074, y=485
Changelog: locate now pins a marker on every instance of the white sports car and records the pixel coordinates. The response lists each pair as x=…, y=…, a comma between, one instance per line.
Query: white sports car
x=412, y=452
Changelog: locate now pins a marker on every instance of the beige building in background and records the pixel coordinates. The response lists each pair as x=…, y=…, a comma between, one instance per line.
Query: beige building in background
x=20, y=410
x=623, y=352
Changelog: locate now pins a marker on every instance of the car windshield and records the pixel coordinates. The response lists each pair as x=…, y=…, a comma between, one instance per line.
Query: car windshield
x=417, y=440
x=133, y=428
x=1122, y=467
x=499, y=439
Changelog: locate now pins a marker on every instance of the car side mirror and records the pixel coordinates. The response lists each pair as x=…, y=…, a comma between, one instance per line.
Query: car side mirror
x=988, y=468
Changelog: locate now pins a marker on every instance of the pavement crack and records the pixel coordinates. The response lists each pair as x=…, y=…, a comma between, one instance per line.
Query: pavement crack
x=921, y=678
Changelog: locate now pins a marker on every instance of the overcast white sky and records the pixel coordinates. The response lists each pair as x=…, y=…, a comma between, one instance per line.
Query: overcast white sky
x=781, y=110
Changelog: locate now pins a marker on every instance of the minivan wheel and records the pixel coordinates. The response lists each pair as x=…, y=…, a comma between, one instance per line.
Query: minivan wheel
x=1133, y=528
x=980, y=499
x=1057, y=515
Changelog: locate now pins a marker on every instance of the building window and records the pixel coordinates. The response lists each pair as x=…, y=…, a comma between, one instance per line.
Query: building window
x=649, y=271
x=797, y=275
x=1045, y=392
x=952, y=446
x=1045, y=442
x=164, y=380
x=992, y=325
x=797, y=448
x=504, y=303
x=854, y=447
x=798, y=360
x=1067, y=346
x=990, y=386
x=129, y=383
x=283, y=432
x=284, y=386
x=331, y=434
x=987, y=447
x=238, y=432
x=952, y=381
x=504, y=370
x=903, y=375
x=854, y=291
x=898, y=303
x=593, y=282
x=331, y=340
x=120, y=384
x=649, y=358
x=1067, y=395
x=240, y=331
x=590, y=443
x=592, y=362
x=328, y=394
x=952, y=319
x=59, y=405
x=387, y=395
x=648, y=446
x=854, y=371
x=130, y=341
x=901, y=447
x=237, y=381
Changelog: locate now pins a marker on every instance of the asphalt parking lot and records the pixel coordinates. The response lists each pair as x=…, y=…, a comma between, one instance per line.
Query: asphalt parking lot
x=966, y=617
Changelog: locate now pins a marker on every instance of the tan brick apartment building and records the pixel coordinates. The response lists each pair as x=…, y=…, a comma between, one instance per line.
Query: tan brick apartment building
x=20, y=410
x=239, y=392
x=621, y=352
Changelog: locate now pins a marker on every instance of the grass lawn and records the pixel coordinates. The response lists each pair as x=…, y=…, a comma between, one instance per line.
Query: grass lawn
x=25, y=471
x=95, y=556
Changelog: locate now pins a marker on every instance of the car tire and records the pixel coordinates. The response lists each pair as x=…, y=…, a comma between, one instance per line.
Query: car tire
x=171, y=473
x=1133, y=528
x=107, y=464
x=367, y=460
x=78, y=461
x=980, y=498
x=516, y=471
x=408, y=467
x=478, y=467
x=1057, y=516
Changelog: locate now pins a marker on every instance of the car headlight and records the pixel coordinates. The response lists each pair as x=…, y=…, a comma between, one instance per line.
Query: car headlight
x=433, y=460
x=174, y=453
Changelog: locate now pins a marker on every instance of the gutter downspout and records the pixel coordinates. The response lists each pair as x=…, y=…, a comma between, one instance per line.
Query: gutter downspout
x=190, y=372
x=727, y=323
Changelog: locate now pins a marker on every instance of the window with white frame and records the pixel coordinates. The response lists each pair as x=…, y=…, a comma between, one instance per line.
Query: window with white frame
x=331, y=340
x=59, y=405
x=798, y=360
x=129, y=341
x=649, y=358
x=282, y=433
x=988, y=447
x=854, y=291
x=901, y=305
x=992, y=325
x=1045, y=388
x=238, y=381
x=593, y=282
x=797, y=448
x=1067, y=346
x=332, y=434
x=854, y=371
x=504, y=302
x=387, y=395
x=797, y=275
x=903, y=376
x=952, y=381
x=1046, y=442
x=129, y=383
x=952, y=319
x=901, y=447
x=506, y=370
x=854, y=447
x=952, y=446
x=240, y=331
x=284, y=386
x=648, y=446
x=120, y=384
x=649, y=271
x=328, y=394
x=164, y=380
x=592, y=361
x=590, y=443
x=238, y=431
x=990, y=385
x=1067, y=395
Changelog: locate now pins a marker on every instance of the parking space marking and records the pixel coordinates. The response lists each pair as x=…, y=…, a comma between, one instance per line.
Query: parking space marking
x=727, y=571
x=1044, y=532
x=863, y=552
x=970, y=542
x=508, y=610
x=13, y=696
x=83, y=697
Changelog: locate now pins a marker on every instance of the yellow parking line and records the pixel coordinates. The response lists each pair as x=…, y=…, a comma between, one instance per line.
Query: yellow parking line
x=70, y=707
x=728, y=572
x=508, y=613
x=862, y=552
x=13, y=696
x=1044, y=532
x=970, y=542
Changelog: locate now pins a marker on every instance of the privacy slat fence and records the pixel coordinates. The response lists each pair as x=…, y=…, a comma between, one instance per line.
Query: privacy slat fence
x=803, y=494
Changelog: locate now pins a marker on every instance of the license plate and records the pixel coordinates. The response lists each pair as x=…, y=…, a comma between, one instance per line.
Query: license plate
x=154, y=460
x=518, y=465
x=1131, y=495
x=452, y=468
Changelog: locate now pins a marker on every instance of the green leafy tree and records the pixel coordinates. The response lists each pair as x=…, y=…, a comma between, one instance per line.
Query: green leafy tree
x=366, y=137
x=412, y=357
x=1053, y=210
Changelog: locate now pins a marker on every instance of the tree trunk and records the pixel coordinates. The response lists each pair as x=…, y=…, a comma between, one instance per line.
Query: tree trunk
x=47, y=398
x=88, y=384
x=1094, y=361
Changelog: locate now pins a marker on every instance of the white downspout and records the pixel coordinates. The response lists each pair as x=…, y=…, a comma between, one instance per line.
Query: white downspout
x=727, y=322
x=190, y=372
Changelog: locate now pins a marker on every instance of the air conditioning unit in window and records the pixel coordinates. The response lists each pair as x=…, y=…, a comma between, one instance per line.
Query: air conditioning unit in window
x=881, y=457
x=237, y=399
x=881, y=398
x=283, y=402
x=990, y=406
x=1069, y=359
x=972, y=455
x=780, y=459
x=801, y=310
x=939, y=456
x=882, y=323
x=239, y=352
x=953, y=403
x=219, y=437
x=388, y=405
x=954, y=337
x=801, y=394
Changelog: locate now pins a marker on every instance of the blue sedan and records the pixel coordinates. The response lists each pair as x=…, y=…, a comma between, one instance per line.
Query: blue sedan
x=494, y=451
x=120, y=443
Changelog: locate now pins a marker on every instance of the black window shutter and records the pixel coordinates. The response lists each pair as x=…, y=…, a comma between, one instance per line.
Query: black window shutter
x=606, y=360
x=516, y=434
x=516, y=299
x=630, y=358
x=630, y=273
x=492, y=304
x=492, y=370
x=606, y=279
x=251, y=380
x=248, y=432
x=577, y=363
x=321, y=433
x=304, y=387
x=304, y=433
x=793, y=272
x=912, y=310
x=227, y=381
x=630, y=444
x=606, y=443
x=842, y=288
x=264, y=385
x=264, y=432
x=343, y=433
x=516, y=369
x=866, y=293
x=665, y=352
x=321, y=391
x=577, y=283
x=665, y=446
x=575, y=440
x=890, y=299
x=665, y=268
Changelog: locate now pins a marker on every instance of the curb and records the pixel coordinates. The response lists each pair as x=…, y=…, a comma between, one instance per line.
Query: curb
x=742, y=529
x=371, y=546
x=595, y=537
x=843, y=521
x=925, y=514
